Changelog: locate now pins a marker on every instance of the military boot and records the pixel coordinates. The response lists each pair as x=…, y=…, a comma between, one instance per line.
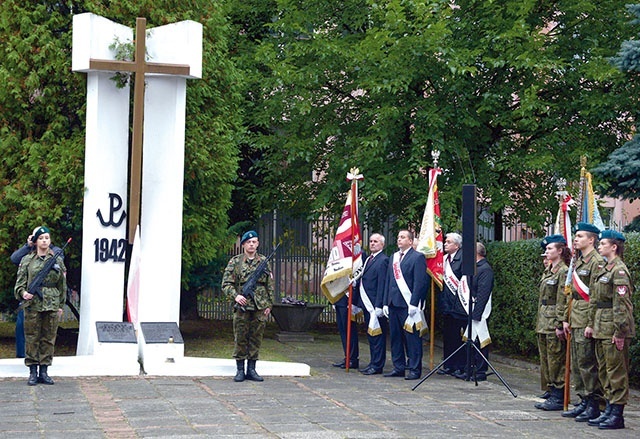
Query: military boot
x=33, y=375
x=591, y=412
x=251, y=372
x=615, y=421
x=577, y=410
x=554, y=403
x=240, y=376
x=603, y=416
x=44, y=378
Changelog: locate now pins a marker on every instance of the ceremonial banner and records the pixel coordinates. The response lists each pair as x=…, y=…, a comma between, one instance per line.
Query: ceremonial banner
x=430, y=241
x=563, y=221
x=346, y=253
x=590, y=212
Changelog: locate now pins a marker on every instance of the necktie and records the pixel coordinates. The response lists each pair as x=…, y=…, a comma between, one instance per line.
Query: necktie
x=401, y=256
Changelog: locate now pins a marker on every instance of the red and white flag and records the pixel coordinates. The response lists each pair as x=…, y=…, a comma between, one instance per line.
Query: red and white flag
x=563, y=221
x=430, y=240
x=346, y=253
x=133, y=280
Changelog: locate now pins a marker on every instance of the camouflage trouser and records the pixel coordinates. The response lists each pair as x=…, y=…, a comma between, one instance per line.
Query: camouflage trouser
x=583, y=364
x=248, y=329
x=552, y=359
x=40, y=330
x=613, y=370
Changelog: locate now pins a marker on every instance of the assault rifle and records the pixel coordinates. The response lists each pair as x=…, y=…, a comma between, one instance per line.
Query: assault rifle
x=249, y=287
x=35, y=286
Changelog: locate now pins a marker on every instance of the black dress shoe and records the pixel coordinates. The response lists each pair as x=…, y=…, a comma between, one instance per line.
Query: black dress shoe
x=352, y=365
x=445, y=371
x=394, y=373
x=412, y=376
x=339, y=364
x=371, y=371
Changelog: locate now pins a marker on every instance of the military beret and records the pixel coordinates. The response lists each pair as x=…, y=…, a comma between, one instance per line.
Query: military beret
x=586, y=227
x=37, y=232
x=248, y=235
x=612, y=234
x=551, y=239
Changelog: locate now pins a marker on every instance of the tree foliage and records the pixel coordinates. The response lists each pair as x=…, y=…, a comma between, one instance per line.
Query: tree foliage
x=512, y=93
x=42, y=118
x=621, y=169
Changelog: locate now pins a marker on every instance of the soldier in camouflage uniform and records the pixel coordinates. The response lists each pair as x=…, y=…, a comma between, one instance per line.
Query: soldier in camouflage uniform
x=41, y=315
x=250, y=314
x=551, y=305
x=612, y=326
x=583, y=350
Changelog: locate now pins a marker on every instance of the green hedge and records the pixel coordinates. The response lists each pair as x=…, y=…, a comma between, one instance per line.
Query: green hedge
x=518, y=268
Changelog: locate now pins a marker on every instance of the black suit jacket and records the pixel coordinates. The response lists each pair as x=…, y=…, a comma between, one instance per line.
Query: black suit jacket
x=373, y=278
x=447, y=300
x=414, y=271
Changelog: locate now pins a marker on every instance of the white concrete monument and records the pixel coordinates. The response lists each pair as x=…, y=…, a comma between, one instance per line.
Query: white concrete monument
x=176, y=52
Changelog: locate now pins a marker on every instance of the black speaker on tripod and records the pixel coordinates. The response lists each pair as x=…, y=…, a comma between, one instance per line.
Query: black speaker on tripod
x=469, y=252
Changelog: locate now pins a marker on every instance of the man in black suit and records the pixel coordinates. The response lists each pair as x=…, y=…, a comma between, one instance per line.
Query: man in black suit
x=406, y=288
x=481, y=287
x=453, y=322
x=371, y=286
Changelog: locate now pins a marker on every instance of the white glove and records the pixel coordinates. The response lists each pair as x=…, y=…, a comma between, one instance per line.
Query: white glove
x=413, y=310
x=385, y=311
x=355, y=310
x=379, y=312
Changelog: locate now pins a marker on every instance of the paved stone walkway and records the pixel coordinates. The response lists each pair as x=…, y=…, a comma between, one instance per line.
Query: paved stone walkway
x=329, y=404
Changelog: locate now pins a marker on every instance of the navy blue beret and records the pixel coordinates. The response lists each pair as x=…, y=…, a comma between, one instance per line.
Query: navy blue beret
x=612, y=234
x=586, y=227
x=551, y=239
x=248, y=235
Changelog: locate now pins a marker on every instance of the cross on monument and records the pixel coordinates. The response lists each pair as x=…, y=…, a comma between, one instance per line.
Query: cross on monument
x=156, y=183
x=139, y=67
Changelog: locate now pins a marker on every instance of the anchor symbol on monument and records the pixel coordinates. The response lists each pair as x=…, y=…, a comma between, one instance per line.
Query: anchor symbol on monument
x=115, y=202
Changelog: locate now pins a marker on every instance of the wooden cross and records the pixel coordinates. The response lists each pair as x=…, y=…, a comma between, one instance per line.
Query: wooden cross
x=139, y=67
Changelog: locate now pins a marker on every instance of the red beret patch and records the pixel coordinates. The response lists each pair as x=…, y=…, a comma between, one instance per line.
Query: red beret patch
x=622, y=290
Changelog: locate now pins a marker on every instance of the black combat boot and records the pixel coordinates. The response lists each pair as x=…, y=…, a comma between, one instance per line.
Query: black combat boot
x=240, y=376
x=44, y=378
x=33, y=375
x=603, y=416
x=591, y=412
x=251, y=372
x=615, y=421
x=577, y=410
x=554, y=403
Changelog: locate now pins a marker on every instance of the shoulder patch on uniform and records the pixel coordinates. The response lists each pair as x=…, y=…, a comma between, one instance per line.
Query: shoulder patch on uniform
x=622, y=273
x=622, y=290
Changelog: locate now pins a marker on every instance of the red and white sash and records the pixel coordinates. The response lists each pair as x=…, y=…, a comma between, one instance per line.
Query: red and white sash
x=580, y=286
x=418, y=320
x=450, y=278
x=373, y=327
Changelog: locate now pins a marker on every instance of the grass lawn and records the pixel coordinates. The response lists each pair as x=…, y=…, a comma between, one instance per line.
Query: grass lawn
x=203, y=338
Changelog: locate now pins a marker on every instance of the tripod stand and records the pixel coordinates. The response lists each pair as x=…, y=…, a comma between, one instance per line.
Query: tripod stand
x=471, y=366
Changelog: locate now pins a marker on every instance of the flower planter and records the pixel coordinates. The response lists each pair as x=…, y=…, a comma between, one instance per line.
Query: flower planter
x=294, y=321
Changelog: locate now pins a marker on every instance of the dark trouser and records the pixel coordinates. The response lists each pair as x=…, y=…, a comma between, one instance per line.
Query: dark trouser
x=342, y=319
x=248, y=330
x=552, y=361
x=401, y=338
x=378, y=343
x=20, y=339
x=584, y=368
x=452, y=328
x=40, y=328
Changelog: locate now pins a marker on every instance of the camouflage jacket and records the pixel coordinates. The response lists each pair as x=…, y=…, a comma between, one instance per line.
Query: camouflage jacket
x=610, y=307
x=552, y=300
x=54, y=287
x=587, y=268
x=238, y=270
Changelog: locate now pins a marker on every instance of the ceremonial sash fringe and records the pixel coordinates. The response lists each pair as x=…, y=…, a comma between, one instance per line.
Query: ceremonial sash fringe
x=418, y=320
